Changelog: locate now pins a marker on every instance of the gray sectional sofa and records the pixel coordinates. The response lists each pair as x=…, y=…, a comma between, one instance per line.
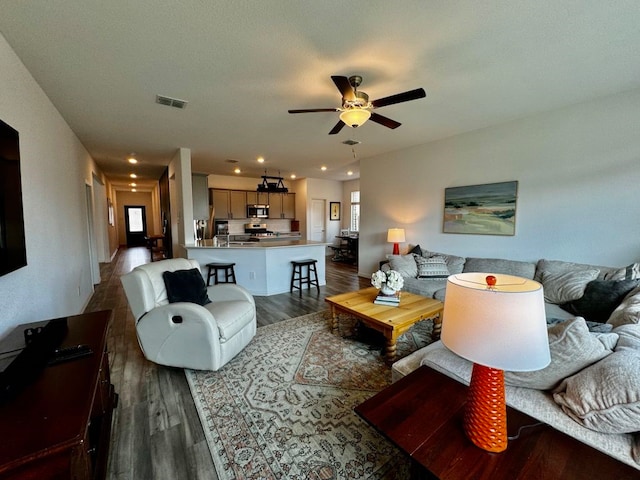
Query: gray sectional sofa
x=591, y=389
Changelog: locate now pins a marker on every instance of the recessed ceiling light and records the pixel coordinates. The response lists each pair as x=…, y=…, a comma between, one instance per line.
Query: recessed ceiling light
x=236, y=170
x=133, y=184
x=293, y=175
x=349, y=172
x=323, y=168
x=133, y=175
x=260, y=159
x=134, y=190
x=132, y=158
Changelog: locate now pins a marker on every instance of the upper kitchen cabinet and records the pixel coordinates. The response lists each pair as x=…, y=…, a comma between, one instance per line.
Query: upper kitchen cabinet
x=229, y=204
x=282, y=205
x=257, y=198
x=200, y=192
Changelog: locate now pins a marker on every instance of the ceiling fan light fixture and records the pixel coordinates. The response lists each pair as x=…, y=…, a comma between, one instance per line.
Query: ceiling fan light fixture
x=354, y=117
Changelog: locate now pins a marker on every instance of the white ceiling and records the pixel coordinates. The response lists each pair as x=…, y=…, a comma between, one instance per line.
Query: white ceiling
x=242, y=64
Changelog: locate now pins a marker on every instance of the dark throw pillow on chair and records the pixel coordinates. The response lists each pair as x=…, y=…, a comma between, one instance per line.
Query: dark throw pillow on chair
x=186, y=286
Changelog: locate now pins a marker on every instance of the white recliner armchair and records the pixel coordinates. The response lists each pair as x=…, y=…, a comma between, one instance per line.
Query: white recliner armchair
x=184, y=334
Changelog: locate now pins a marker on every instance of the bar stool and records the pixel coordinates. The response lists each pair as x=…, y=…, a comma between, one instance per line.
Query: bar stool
x=226, y=268
x=297, y=277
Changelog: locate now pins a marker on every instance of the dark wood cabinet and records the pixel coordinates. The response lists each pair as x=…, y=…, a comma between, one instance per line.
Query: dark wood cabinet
x=58, y=426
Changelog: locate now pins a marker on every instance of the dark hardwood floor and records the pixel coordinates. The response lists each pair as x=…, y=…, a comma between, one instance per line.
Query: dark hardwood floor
x=156, y=430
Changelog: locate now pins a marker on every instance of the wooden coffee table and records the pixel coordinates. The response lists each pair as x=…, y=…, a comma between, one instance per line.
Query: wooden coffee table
x=390, y=321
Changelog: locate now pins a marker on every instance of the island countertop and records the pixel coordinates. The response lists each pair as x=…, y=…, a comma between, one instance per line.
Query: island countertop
x=207, y=244
x=263, y=268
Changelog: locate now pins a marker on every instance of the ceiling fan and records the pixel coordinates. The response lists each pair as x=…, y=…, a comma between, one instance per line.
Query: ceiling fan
x=356, y=107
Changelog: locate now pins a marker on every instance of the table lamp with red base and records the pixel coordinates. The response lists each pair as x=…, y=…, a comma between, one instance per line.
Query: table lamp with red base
x=498, y=322
x=395, y=236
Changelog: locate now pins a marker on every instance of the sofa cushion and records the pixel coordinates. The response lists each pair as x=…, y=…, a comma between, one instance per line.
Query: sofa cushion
x=600, y=299
x=432, y=267
x=426, y=287
x=565, y=287
x=498, y=265
x=572, y=348
x=605, y=397
x=186, y=286
x=628, y=311
x=546, y=267
x=455, y=264
x=405, y=265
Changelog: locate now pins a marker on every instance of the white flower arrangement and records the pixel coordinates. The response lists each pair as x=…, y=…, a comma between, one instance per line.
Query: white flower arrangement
x=392, y=278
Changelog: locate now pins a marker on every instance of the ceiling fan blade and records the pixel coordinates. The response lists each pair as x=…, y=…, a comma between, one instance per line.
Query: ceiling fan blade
x=309, y=110
x=337, y=127
x=387, y=122
x=399, y=98
x=344, y=87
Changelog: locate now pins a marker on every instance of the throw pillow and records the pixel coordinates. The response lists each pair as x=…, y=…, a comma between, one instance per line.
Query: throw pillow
x=432, y=267
x=628, y=311
x=594, y=327
x=417, y=250
x=405, y=265
x=454, y=264
x=572, y=348
x=600, y=299
x=605, y=397
x=631, y=272
x=186, y=286
x=564, y=287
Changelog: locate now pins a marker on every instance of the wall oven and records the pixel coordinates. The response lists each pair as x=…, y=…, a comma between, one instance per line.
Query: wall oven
x=258, y=211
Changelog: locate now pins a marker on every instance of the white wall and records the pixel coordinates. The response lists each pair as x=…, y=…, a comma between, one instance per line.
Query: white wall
x=55, y=169
x=181, y=199
x=578, y=170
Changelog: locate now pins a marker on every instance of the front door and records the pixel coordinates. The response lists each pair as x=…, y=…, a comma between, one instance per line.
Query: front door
x=136, y=225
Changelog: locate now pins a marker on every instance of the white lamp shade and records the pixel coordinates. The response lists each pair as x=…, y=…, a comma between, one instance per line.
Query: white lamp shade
x=501, y=327
x=355, y=117
x=395, y=235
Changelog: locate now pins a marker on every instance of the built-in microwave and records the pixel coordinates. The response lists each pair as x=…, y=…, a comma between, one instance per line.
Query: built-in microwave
x=258, y=211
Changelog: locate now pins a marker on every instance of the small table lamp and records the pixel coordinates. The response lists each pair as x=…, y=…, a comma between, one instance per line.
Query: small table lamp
x=395, y=236
x=498, y=322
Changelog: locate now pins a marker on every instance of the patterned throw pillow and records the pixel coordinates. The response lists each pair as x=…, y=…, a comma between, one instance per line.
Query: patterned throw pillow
x=432, y=267
x=631, y=272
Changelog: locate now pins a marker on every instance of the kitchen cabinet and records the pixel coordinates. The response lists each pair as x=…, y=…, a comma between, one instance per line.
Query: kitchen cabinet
x=257, y=198
x=282, y=205
x=229, y=203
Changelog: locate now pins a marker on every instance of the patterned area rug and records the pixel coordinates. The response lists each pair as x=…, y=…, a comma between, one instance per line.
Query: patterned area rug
x=283, y=408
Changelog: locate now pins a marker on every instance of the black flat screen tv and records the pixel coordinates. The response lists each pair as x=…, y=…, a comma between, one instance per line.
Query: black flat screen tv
x=13, y=251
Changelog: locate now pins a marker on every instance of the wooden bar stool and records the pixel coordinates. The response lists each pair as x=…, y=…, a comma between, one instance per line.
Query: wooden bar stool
x=226, y=268
x=298, y=279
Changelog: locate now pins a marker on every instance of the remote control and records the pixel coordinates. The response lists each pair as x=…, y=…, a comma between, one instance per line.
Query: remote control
x=69, y=353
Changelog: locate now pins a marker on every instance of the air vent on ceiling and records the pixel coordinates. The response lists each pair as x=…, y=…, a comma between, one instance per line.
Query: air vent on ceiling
x=351, y=142
x=171, y=102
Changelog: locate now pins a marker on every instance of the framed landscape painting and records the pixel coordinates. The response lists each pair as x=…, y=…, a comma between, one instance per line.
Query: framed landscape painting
x=488, y=209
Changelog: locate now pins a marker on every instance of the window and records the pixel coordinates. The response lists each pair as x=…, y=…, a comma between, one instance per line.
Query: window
x=354, y=223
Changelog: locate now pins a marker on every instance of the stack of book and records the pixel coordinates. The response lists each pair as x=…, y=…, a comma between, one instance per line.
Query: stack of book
x=392, y=300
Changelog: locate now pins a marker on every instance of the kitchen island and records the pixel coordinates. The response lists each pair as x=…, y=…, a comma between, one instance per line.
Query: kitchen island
x=263, y=268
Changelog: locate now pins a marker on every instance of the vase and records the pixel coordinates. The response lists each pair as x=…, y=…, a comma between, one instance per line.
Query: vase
x=387, y=290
